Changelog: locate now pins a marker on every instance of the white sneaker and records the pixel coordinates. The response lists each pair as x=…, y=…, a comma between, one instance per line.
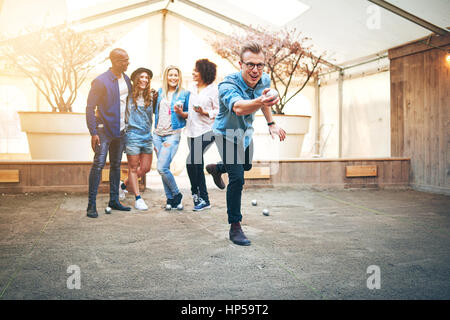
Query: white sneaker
x=122, y=192
x=140, y=204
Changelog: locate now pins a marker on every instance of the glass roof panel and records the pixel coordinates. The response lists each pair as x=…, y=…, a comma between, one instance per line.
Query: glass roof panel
x=275, y=13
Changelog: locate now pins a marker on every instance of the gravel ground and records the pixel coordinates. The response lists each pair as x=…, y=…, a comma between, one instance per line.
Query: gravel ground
x=315, y=244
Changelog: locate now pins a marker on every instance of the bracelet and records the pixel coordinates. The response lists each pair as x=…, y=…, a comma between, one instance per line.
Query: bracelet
x=271, y=123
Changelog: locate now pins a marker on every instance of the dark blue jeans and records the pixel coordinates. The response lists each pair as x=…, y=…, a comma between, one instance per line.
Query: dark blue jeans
x=115, y=147
x=235, y=160
x=195, y=163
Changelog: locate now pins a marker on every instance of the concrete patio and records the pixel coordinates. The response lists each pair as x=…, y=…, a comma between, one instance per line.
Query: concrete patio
x=315, y=244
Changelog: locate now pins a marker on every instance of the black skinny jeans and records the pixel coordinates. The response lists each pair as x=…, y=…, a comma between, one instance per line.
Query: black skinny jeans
x=195, y=163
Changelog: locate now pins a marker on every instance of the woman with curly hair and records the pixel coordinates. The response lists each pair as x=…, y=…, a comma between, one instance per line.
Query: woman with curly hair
x=170, y=117
x=203, y=108
x=138, y=137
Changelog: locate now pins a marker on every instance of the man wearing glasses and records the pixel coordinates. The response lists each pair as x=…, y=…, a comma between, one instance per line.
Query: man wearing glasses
x=241, y=94
x=105, y=118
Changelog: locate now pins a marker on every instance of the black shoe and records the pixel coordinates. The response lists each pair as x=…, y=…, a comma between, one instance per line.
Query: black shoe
x=217, y=176
x=237, y=236
x=176, y=202
x=92, y=211
x=118, y=206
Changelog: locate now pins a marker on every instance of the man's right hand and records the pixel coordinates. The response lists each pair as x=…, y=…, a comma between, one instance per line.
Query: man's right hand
x=245, y=107
x=268, y=101
x=95, y=141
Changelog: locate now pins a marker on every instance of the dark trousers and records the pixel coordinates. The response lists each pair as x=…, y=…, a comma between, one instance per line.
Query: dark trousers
x=235, y=160
x=115, y=147
x=195, y=163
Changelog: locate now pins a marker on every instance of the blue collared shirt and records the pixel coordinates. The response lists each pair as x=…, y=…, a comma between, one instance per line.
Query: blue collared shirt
x=233, y=88
x=105, y=95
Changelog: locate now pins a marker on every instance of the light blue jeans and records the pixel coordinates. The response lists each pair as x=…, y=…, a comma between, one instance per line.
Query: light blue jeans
x=166, y=148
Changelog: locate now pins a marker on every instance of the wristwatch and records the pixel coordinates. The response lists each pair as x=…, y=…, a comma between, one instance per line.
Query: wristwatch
x=270, y=123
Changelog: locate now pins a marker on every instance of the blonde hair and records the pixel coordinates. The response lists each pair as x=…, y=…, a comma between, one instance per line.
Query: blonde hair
x=251, y=46
x=165, y=86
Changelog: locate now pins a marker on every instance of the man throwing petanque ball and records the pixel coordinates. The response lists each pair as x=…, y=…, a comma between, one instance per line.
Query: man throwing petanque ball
x=241, y=94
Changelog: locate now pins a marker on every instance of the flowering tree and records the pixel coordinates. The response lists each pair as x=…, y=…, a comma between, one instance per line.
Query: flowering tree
x=57, y=60
x=289, y=60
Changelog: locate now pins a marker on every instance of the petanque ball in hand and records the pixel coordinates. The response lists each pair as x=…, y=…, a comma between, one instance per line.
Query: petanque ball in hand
x=272, y=93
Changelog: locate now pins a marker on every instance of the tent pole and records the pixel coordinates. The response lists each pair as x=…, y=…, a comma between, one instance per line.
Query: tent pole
x=340, y=97
x=317, y=116
x=406, y=15
x=163, y=41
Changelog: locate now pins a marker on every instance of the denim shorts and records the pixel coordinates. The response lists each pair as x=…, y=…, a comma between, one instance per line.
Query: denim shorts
x=136, y=147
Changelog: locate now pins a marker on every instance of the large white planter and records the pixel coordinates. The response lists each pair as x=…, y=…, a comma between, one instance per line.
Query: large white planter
x=57, y=136
x=266, y=148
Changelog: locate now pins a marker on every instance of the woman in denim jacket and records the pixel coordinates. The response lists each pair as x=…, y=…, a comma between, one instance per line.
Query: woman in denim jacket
x=138, y=137
x=170, y=117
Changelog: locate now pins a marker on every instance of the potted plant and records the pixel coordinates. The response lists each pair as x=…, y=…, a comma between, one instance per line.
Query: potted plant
x=290, y=64
x=58, y=61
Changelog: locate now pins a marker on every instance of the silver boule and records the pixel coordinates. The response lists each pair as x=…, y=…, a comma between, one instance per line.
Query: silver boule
x=265, y=212
x=108, y=210
x=168, y=207
x=254, y=202
x=272, y=93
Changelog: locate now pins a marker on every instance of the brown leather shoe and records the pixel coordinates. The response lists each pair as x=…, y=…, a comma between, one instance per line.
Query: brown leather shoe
x=237, y=236
x=217, y=176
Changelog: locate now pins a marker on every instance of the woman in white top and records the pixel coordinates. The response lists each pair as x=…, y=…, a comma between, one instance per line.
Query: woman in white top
x=203, y=108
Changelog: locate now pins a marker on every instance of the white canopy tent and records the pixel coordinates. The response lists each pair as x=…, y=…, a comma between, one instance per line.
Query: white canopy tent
x=350, y=30
x=350, y=106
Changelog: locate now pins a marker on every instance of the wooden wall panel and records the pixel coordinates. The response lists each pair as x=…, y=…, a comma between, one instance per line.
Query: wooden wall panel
x=397, y=108
x=361, y=171
x=420, y=107
x=41, y=176
x=9, y=175
x=73, y=177
x=444, y=120
x=332, y=173
x=431, y=99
